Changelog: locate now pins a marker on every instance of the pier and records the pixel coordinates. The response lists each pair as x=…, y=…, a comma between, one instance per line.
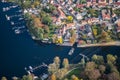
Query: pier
x=31, y=69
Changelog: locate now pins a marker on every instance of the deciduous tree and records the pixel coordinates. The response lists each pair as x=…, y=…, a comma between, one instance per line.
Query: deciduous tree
x=65, y=63
x=53, y=77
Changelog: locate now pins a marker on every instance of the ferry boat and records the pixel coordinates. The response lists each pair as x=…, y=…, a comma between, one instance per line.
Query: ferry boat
x=71, y=51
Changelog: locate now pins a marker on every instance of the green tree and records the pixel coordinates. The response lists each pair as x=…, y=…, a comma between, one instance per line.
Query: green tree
x=111, y=59
x=117, y=12
x=98, y=59
x=47, y=20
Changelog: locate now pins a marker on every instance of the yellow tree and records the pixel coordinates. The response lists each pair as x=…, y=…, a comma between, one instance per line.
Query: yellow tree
x=70, y=18
x=65, y=63
x=52, y=68
x=57, y=62
x=36, y=3
x=74, y=77
x=111, y=58
x=53, y=77
x=95, y=32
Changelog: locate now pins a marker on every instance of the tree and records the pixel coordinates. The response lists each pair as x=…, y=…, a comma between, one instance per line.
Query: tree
x=102, y=68
x=30, y=77
x=60, y=73
x=111, y=59
x=3, y=78
x=113, y=76
x=53, y=77
x=70, y=18
x=52, y=68
x=94, y=74
x=93, y=12
x=37, y=22
x=46, y=29
x=47, y=20
x=57, y=62
x=24, y=77
x=74, y=77
x=98, y=59
x=91, y=72
x=117, y=12
x=36, y=3
x=65, y=63
x=90, y=66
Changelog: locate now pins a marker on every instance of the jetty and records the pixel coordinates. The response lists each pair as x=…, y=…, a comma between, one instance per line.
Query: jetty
x=31, y=69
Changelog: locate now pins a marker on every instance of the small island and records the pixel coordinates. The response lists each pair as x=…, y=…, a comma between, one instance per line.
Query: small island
x=66, y=22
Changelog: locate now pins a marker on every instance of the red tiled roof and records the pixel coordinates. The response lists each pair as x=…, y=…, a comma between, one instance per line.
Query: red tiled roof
x=117, y=3
x=79, y=5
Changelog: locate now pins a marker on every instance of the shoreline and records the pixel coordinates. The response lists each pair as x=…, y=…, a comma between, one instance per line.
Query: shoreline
x=114, y=43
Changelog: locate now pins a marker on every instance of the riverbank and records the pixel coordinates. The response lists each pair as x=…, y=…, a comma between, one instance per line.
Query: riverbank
x=115, y=43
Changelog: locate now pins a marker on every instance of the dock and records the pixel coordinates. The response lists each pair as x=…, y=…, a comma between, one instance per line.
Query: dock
x=31, y=69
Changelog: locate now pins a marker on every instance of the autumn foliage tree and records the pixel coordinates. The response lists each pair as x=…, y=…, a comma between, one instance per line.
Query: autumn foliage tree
x=57, y=62
x=65, y=63
x=74, y=77
x=53, y=77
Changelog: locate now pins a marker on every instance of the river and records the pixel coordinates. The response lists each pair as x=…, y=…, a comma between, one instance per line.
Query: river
x=18, y=51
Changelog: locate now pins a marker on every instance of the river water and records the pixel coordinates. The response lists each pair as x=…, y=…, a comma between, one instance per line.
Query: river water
x=18, y=51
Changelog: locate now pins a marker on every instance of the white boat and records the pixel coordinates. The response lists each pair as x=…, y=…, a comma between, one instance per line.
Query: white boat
x=71, y=51
x=4, y=9
x=12, y=23
x=21, y=18
x=30, y=67
x=17, y=31
x=44, y=76
x=7, y=17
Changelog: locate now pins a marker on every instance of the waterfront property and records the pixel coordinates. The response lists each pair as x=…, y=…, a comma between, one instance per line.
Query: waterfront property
x=64, y=23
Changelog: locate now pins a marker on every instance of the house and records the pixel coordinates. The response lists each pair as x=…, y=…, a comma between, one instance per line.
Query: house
x=102, y=1
x=80, y=5
x=118, y=24
x=89, y=3
x=84, y=22
x=62, y=15
x=117, y=3
x=70, y=25
x=106, y=16
x=56, y=21
x=78, y=16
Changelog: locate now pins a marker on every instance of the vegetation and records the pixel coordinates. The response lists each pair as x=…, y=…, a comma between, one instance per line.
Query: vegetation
x=94, y=69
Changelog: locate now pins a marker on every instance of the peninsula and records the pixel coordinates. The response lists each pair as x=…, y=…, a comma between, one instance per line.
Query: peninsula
x=66, y=22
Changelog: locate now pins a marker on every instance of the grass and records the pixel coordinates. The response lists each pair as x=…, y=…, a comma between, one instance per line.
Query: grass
x=75, y=72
